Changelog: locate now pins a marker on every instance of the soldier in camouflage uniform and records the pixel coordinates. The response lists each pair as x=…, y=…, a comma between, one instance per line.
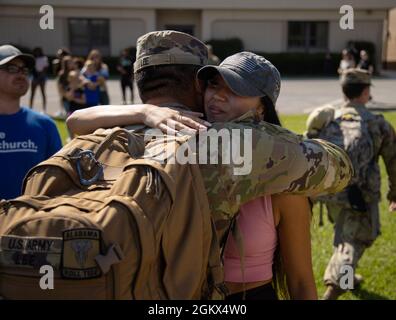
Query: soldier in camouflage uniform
x=355, y=211
x=281, y=160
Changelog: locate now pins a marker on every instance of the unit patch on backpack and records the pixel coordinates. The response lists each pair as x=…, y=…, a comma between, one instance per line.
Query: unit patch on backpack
x=80, y=247
x=30, y=252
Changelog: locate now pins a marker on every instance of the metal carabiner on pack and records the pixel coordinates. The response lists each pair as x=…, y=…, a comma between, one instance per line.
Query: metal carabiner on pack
x=83, y=155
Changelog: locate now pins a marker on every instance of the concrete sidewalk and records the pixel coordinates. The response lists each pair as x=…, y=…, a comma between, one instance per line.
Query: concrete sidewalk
x=303, y=95
x=297, y=95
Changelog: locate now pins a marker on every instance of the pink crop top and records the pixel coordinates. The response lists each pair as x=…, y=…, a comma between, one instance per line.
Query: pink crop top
x=257, y=228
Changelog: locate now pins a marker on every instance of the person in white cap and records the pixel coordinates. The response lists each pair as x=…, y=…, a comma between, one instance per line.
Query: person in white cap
x=26, y=137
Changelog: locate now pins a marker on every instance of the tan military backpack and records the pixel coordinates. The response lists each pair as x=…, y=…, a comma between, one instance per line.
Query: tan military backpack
x=112, y=223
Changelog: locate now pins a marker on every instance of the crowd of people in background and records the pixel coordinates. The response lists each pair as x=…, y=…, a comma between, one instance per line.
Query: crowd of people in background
x=349, y=60
x=248, y=94
x=82, y=82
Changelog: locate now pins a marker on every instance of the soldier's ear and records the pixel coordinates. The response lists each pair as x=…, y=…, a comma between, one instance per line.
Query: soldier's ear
x=366, y=93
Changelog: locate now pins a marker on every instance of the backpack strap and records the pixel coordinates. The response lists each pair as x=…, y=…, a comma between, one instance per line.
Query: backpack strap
x=234, y=230
x=135, y=145
x=236, y=233
x=225, y=238
x=216, y=271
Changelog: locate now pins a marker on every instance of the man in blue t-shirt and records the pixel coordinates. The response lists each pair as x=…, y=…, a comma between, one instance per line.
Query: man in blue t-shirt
x=26, y=137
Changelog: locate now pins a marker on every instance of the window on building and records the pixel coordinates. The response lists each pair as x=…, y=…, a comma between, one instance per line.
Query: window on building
x=87, y=34
x=307, y=36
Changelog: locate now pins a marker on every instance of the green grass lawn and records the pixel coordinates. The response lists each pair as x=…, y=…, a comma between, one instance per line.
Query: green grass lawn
x=62, y=130
x=378, y=265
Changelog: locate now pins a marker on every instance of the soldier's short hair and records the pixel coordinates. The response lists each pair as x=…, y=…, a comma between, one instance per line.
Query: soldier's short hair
x=353, y=90
x=166, y=63
x=165, y=80
x=354, y=81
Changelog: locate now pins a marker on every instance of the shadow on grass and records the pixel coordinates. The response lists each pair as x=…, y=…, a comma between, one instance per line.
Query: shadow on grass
x=363, y=294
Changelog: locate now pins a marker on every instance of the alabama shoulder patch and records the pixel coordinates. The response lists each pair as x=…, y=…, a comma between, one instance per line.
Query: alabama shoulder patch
x=80, y=247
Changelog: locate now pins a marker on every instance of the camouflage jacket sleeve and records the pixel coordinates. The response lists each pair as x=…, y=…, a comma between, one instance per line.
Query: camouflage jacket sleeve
x=388, y=153
x=279, y=162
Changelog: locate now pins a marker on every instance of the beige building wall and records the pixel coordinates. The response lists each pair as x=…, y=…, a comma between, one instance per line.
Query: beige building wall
x=180, y=17
x=26, y=32
x=266, y=30
x=124, y=33
x=20, y=25
x=215, y=4
x=261, y=36
x=391, y=35
x=364, y=31
x=262, y=25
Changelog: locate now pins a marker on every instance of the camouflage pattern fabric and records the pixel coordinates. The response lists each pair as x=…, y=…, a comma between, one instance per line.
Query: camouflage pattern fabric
x=354, y=233
x=355, y=76
x=383, y=141
x=169, y=47
x=282, y=162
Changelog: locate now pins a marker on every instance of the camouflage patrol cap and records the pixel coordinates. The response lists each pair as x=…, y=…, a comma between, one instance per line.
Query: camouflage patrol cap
x=356, y=76
x=169, y=47
x=247, y=74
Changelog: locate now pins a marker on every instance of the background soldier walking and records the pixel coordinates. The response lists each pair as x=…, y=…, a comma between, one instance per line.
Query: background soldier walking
x=355, y=211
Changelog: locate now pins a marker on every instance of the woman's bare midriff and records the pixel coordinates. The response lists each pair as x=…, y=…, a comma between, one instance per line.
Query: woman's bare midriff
x=235, y=287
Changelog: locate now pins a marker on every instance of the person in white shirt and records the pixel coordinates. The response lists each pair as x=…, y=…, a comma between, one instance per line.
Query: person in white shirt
x=347, y=61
